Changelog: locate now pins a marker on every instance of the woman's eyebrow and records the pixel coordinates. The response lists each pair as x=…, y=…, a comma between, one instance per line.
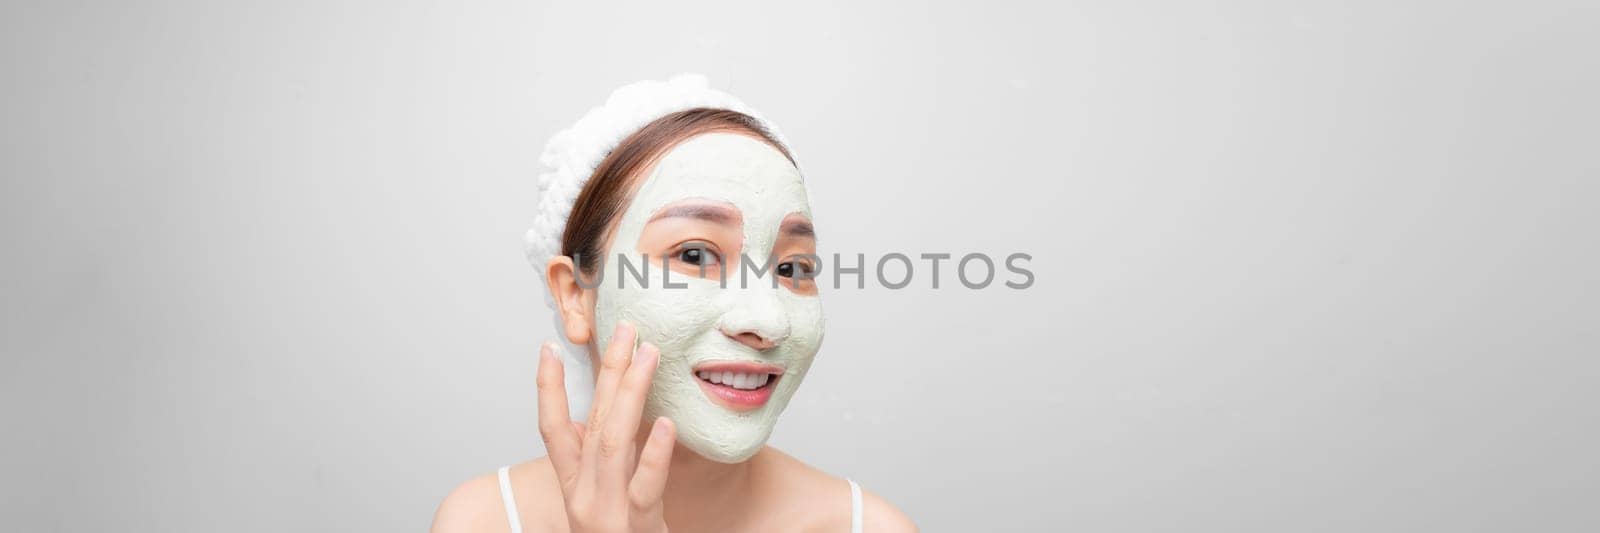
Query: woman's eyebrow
x=798, y=228
x=709, y=213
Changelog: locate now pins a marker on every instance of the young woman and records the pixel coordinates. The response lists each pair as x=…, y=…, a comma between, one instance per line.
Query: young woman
x=674, y=231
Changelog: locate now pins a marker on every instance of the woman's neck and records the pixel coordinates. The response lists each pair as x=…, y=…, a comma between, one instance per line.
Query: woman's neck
x=702, y=494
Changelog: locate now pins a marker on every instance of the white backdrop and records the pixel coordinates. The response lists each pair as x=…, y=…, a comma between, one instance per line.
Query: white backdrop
x=1300, y=266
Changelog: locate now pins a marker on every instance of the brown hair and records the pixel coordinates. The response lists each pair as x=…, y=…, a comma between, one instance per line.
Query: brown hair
x=607, y=192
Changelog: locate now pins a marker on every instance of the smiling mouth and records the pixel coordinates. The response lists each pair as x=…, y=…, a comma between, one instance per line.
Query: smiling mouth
x=737, y=380
x=738, y=386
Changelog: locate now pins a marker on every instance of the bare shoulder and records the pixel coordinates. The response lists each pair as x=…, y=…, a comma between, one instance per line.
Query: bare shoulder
x=471, y=507
x=476, y=505
x=879, y=515
x=829, y=508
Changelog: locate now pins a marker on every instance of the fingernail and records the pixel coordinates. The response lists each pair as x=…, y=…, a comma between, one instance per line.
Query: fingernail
x=647, y=353
x=548, y=351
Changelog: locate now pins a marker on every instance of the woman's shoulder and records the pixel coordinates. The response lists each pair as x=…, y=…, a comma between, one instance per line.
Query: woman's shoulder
x=830, y=507
x=477, y=505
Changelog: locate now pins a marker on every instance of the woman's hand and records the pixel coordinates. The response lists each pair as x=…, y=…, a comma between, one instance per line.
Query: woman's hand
x=608, y=484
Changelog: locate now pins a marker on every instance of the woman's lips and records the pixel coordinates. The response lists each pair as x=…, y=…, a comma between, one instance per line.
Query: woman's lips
x=738, y=385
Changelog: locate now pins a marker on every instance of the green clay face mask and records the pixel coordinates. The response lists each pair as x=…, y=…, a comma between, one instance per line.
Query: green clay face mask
x=724, y=395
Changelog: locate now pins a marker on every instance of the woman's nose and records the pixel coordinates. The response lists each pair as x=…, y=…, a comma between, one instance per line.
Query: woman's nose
x=753, y=340
x=757, y=320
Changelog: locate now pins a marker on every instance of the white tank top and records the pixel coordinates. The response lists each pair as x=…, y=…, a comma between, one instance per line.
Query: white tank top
x=516, y=522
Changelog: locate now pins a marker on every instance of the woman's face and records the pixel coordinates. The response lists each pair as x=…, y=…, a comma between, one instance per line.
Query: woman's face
x=734, y=347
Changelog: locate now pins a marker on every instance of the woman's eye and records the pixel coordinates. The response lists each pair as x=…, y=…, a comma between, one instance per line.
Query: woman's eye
x=696, y=255
x=692, y=256
x=792, y=269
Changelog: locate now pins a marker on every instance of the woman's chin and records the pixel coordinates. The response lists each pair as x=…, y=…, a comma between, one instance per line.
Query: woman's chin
x=723, y=440
x=730, y=456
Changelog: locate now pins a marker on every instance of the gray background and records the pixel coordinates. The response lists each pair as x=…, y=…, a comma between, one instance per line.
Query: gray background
x=1300, y=267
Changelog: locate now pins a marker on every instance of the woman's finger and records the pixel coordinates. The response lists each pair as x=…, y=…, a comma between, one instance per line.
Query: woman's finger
x=555, y=424
x=650, y=480
x=622, y=424
x=615, y=361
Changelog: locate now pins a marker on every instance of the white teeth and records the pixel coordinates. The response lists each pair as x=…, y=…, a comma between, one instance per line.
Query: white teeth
x=735, y=380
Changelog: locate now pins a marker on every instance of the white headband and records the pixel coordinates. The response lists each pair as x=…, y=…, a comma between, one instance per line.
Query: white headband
x=571, y=157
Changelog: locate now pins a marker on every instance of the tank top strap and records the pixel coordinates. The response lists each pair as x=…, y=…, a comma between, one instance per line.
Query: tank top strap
x=855, y=506
x=509, y=500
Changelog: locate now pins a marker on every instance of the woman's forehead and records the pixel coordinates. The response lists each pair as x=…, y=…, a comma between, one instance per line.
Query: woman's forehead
x=744, y=171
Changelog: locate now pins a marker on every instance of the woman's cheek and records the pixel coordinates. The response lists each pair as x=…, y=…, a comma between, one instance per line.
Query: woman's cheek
x=806, y=320
x=673, y=318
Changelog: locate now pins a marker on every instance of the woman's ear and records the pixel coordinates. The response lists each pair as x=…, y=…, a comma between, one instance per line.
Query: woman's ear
x=573, y=302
